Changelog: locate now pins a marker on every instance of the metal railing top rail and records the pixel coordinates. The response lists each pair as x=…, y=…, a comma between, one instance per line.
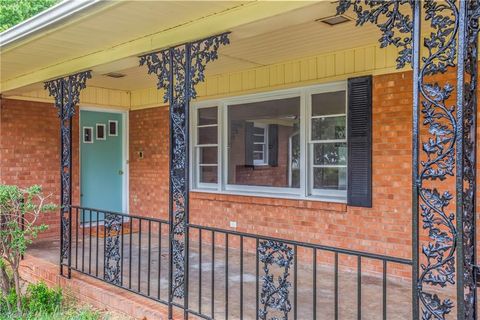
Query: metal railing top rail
x=263, y=237
x=126, y=215
x=307, y=245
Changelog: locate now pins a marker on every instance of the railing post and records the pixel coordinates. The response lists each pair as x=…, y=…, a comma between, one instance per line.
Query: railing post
x=66, y=93
x=416, y=32
x=467, y=68
x=178, y=70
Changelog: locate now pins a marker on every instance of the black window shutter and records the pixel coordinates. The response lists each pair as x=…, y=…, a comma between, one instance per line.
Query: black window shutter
x=360, y=142
x=273, y=145
x=249, y=144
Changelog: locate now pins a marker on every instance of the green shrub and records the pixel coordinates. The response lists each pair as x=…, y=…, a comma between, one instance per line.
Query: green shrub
x=10, y=299
x=42, y=299
x=19, y=211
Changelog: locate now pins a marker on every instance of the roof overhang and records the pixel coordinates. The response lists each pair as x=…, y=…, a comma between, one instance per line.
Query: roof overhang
x=57, y=15
x=22, y=45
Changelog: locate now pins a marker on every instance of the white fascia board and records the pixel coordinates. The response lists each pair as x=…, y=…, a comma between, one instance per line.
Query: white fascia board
x=46, y=19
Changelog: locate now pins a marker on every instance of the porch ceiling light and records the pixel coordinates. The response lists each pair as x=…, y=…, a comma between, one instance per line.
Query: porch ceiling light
x=334, y=20
x=115, y=75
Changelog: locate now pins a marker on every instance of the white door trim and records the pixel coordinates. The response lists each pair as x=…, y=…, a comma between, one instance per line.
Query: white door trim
x=125, y=151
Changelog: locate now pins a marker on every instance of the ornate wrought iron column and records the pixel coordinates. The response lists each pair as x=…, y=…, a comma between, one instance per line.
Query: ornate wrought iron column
x=178, y=70
x=446, y=133
x=66, y=92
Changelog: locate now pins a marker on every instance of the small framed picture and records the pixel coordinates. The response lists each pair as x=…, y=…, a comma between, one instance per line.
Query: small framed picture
x=113, y=128
x=101, y=131
x=87, y=135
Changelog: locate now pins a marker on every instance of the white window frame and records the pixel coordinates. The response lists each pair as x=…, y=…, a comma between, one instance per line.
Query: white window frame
x=264, y=144
x=116, y=128
x=83, y=134
x=104, y=131
x=194, y=154
x=305, y=191
x=322, y=193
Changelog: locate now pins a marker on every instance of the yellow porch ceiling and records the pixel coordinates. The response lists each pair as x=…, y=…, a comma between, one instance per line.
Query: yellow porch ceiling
x=124, y=30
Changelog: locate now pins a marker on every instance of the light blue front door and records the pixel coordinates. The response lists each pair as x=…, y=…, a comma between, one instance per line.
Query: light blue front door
x=101, y=162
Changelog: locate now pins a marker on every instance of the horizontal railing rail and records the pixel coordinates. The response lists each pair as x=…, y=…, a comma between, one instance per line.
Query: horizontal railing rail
x=277, y=258
x=238, y=275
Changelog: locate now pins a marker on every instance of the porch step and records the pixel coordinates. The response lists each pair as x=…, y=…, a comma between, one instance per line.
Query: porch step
x=94, y=292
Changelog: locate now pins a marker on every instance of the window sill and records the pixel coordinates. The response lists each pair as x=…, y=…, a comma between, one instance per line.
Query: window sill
x=291, y=200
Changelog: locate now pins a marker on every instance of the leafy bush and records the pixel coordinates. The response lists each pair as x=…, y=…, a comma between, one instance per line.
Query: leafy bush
x=43, y=303
x=42, y=299
x=9, y=300
x=19, y=212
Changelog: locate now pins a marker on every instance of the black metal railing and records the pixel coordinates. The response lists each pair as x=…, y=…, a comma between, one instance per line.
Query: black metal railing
x=121, y=249
x=278, y=277
x=236, y=275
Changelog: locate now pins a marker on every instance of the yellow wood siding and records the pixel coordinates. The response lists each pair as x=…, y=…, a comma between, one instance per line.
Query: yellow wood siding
x=310, y=70
x=93, y=96
x=318, y=69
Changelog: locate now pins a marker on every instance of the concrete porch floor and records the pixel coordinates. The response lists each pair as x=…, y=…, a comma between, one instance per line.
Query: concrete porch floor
x=149, y=283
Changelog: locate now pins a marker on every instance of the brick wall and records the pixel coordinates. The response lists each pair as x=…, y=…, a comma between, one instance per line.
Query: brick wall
x=149, y=176
x=383, y=229
x=29, y=154
x=29, y=151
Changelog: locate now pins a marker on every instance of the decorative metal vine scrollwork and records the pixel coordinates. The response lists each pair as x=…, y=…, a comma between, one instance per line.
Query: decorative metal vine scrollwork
x=275, y=297
x=439, y=160
x=396, y=29
x=66, y=92
x=178, y=70
x=469, y=155
x=112, y=271
x=438, y=143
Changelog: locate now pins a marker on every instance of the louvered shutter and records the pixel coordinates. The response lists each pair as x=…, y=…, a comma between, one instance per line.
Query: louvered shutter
x=273, y=145
x=360, y=142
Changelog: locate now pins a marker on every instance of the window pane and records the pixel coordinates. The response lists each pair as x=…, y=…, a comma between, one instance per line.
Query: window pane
x=257, y=138
x=249, y=125
x=328, y=103
x=208, y=174
x=207, y=116
x=207, y=135
x=112, y=128
x=330, y=178
x=330, y=154
x=329, y=128
x=258, y=147
x=207, y=155
x=259, y=131
x=258, y=156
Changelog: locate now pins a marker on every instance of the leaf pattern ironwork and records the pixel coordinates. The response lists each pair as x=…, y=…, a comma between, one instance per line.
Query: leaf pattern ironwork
x=396, y=27
x=275, y=297
x=469, y=155
x=113, y=228
x=178, y=70
x=66, y=93
x=438, y=164
x=439, y=147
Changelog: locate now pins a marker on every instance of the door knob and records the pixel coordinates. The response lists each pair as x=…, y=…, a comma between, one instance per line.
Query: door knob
x=120, y=172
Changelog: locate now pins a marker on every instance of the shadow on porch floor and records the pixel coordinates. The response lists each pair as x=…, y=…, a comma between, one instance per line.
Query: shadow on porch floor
x=149, y=283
